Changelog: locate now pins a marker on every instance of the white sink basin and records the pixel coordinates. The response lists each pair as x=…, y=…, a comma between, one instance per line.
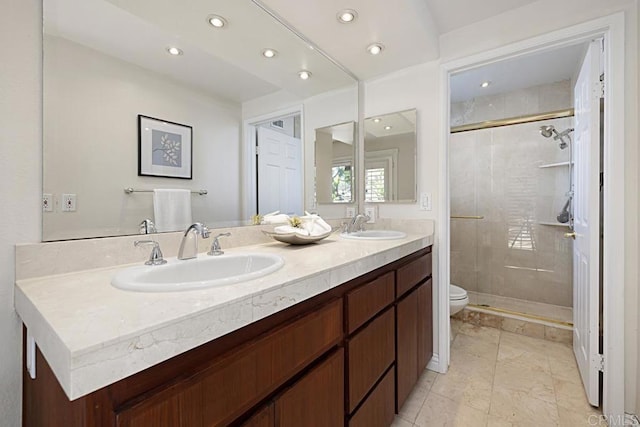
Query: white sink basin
x=375, y=235
x=200, y=273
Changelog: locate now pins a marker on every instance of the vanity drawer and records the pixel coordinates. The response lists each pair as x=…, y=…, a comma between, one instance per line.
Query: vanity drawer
x=379, y=408
x=412, y=273
x=371, y=352
x=368, y=300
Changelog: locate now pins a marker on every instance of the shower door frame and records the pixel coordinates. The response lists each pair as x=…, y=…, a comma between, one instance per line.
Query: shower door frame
x=611, y=28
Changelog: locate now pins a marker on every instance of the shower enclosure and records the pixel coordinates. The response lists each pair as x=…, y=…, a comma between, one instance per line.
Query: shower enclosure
x=510, y=205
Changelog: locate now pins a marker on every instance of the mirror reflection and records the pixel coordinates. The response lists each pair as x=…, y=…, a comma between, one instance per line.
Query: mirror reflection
x=390, y=148
x=335, y=163
x=107, y=62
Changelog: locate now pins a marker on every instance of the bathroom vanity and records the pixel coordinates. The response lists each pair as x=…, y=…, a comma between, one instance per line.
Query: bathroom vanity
x=343, y=344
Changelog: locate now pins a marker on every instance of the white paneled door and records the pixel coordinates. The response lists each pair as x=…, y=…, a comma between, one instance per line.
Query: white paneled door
x=279, y=172
x=586, y=211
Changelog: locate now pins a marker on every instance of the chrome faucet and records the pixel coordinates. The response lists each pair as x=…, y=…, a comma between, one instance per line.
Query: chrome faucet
x=356, y=223
x=147, y=227
x=215, y=246
x=156, y=257
x=192, y=234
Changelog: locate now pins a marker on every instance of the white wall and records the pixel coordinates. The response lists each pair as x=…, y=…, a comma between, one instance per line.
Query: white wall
x=91, y=108
x=419, y=87
x=20, y=184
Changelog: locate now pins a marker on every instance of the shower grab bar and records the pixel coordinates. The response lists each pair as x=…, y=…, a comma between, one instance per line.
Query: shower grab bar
x=467, y=217
x=130, y=190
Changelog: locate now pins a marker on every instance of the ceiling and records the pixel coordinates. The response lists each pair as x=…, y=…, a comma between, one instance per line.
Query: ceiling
x=229, y=63
x=391, y=124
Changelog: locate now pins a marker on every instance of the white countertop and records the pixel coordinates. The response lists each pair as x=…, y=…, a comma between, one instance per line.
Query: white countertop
x=93, y=334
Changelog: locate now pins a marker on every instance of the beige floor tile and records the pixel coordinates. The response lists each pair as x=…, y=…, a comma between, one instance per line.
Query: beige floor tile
x=521, y=409
x=524, y=351
x=572, y=397
x=529, y=380
x=522, y=327
x=426, y=380
x=401, y=422
x=413, y=404
x=474, y=392
x=498, y=422
x=492, y=335
x=578, y=419
x=565, y=369
x=474, y=346
x=439, y=411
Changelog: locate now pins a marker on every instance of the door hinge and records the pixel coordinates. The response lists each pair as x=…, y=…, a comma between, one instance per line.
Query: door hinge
x=257, y=150
x=600, y=362
x=601, y=86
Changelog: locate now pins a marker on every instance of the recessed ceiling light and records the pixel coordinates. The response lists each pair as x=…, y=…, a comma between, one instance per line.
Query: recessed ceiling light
x=375, y=48
x=174, y=51
x=269, y=53
x=485, y=84
x=377, y=120
x=388, y=127
x=347, y=16
x=216, y=21
x=304, y=74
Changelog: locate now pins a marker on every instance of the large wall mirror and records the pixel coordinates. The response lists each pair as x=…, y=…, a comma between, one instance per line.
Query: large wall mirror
x=195, y=72
x=390, y=150
x=335, y=163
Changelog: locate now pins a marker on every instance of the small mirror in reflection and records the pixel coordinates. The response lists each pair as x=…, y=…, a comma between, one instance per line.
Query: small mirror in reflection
x=335, y=163
x=390, y=157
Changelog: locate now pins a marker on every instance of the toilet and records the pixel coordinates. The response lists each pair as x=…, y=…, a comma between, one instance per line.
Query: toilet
x=458, y=299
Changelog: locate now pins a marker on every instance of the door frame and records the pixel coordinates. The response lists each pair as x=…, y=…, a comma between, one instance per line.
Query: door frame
x=612, y=29
x=249, y=177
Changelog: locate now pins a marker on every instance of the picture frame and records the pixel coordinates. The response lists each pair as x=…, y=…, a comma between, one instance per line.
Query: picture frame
x=165, y=149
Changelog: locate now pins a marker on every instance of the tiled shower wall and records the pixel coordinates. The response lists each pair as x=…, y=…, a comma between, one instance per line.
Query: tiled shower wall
x=518, y=249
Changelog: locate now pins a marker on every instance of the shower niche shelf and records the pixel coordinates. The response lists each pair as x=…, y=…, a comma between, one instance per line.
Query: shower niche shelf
x=553, y=165
x=553, y=224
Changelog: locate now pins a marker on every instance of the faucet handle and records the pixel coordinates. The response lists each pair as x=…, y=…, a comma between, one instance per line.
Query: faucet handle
x=215, y=245
x=156, y=257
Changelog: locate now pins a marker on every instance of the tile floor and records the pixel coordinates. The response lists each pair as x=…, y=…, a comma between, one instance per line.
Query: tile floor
x=497, y=378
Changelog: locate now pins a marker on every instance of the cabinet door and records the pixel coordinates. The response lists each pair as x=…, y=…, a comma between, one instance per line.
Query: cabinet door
x=177, y=407
x=263, y=418
x=379, y=408
x=425, y=325
x=407, y=346
x=317, y=399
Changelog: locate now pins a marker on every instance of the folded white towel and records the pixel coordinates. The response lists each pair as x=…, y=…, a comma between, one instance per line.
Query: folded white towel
x=287, y=229
x=275, y=219
x=171, y=209
x=315, y=225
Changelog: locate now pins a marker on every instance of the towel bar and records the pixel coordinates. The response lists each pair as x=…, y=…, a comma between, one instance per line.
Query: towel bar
x=130, y=190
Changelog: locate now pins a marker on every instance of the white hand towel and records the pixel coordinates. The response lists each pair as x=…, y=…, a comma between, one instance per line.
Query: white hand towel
x=315, y=225
x=275, y=219
x=286, y=229
x=172, y=209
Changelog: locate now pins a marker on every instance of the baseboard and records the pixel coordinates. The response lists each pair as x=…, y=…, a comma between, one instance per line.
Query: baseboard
x=434, y=364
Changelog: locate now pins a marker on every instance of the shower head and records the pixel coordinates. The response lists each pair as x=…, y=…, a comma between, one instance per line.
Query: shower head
x=547, y=130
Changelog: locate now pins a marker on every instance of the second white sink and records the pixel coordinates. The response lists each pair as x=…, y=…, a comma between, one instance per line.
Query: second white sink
x=200, y=273
x=375, y=235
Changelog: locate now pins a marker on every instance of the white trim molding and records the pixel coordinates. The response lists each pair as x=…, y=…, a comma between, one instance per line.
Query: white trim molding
x=612, y=29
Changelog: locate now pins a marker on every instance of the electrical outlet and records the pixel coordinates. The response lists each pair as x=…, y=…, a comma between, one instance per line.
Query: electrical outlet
x=425, y=201
x=68, y=203
x=351, y=212
x=370, y=211
x=47, y=202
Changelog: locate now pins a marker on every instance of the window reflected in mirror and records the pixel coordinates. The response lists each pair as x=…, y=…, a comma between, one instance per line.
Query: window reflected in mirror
x=335, y=163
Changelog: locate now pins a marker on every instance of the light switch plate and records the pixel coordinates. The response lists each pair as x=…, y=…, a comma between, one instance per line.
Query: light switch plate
x=425, y=201
x=351, y=212
x=47, y=202
x=68, y=203
x=370, y=211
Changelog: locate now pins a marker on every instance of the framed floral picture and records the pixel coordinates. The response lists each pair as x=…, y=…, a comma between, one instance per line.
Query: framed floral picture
x=164, y=148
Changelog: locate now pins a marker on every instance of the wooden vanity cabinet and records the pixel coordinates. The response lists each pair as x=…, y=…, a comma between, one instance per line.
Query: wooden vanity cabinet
x=347, y=357
x=414, y=334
